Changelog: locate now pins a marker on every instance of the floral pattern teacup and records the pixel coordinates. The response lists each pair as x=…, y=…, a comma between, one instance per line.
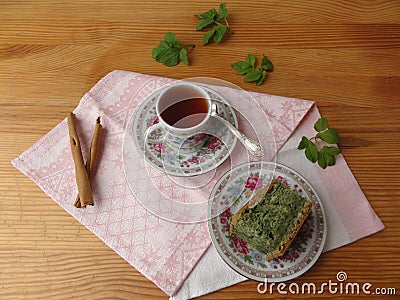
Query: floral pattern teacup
x=183, y=114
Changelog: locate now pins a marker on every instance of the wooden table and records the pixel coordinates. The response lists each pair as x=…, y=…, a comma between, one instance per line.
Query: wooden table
x=345, y=55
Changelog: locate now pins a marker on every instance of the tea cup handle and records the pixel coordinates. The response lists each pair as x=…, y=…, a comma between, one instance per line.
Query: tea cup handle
x=152, y=128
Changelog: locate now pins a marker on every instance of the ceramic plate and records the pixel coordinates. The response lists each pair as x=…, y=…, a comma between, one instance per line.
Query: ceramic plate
x=215, y=151
x=232, y=191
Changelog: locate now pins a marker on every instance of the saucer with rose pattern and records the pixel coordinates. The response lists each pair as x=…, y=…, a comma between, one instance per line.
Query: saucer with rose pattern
x=232, y=191
x=214, y=152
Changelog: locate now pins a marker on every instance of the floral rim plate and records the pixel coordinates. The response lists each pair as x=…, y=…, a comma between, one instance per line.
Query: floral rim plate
x=231, y=192
x=215, y=151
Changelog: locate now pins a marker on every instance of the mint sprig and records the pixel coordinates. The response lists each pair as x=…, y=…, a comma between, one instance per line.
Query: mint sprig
x=212, y=17
x=325, y=155
x=251, y=72
x=170, y=51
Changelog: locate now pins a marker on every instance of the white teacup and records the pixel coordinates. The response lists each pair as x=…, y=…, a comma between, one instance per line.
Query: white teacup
x=183, y=110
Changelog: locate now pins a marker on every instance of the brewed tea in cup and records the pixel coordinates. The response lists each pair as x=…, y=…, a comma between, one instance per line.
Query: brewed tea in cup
x=183, y=110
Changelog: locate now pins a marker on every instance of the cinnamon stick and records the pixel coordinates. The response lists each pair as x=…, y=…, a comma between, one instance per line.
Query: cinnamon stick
x=91, y=160
x=82, y=178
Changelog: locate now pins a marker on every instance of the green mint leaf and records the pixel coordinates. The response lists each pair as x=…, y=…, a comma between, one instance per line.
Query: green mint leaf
x=330, y=136
x=329, y=154
x=311, y=152
x=266, y=64
x=208, y=14
x=161, y=50
x=203, y=23
x=223, y=12
x=171, y=58
x=220, y=32
x=330, y=159
x=208, y=35
x=160, y=53
x=169, y=51
x=331, y=150
x=213, y=17
x=321, y=124
x=326, y=155
x=261, y=79
x=321, y=160
x=242, y=67
x=303, y=143
x=171, y=39
x=326, y=159
x=253, y=75
x=251, y=59
x=183, y=56
x=156, y=52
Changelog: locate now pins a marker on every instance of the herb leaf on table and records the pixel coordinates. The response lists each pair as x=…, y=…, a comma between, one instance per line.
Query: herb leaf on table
x=212, y=17
x=170, y=51
x=251, y=72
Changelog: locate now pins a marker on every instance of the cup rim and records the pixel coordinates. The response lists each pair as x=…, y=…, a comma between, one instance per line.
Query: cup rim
x=186, y=129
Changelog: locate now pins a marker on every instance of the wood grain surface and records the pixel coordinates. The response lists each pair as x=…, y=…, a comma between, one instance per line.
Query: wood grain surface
x=345, y=55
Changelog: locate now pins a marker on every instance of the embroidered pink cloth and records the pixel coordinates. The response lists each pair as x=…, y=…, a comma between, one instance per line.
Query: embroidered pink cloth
x=161, y=248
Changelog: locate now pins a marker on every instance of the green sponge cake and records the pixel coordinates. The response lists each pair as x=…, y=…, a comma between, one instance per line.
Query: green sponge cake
x=271, y=225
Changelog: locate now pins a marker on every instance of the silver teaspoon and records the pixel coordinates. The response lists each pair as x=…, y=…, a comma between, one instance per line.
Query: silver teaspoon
x=252, y=146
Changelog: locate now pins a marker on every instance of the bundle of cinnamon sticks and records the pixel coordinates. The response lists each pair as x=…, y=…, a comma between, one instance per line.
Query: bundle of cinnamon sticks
x=84, y=171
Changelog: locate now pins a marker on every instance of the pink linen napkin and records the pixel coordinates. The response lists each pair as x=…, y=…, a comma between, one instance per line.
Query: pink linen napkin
x=164, y=251
x=348, y=213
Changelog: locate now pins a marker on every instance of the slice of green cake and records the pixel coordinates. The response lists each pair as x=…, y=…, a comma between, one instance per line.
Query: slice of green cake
x=271, y=225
